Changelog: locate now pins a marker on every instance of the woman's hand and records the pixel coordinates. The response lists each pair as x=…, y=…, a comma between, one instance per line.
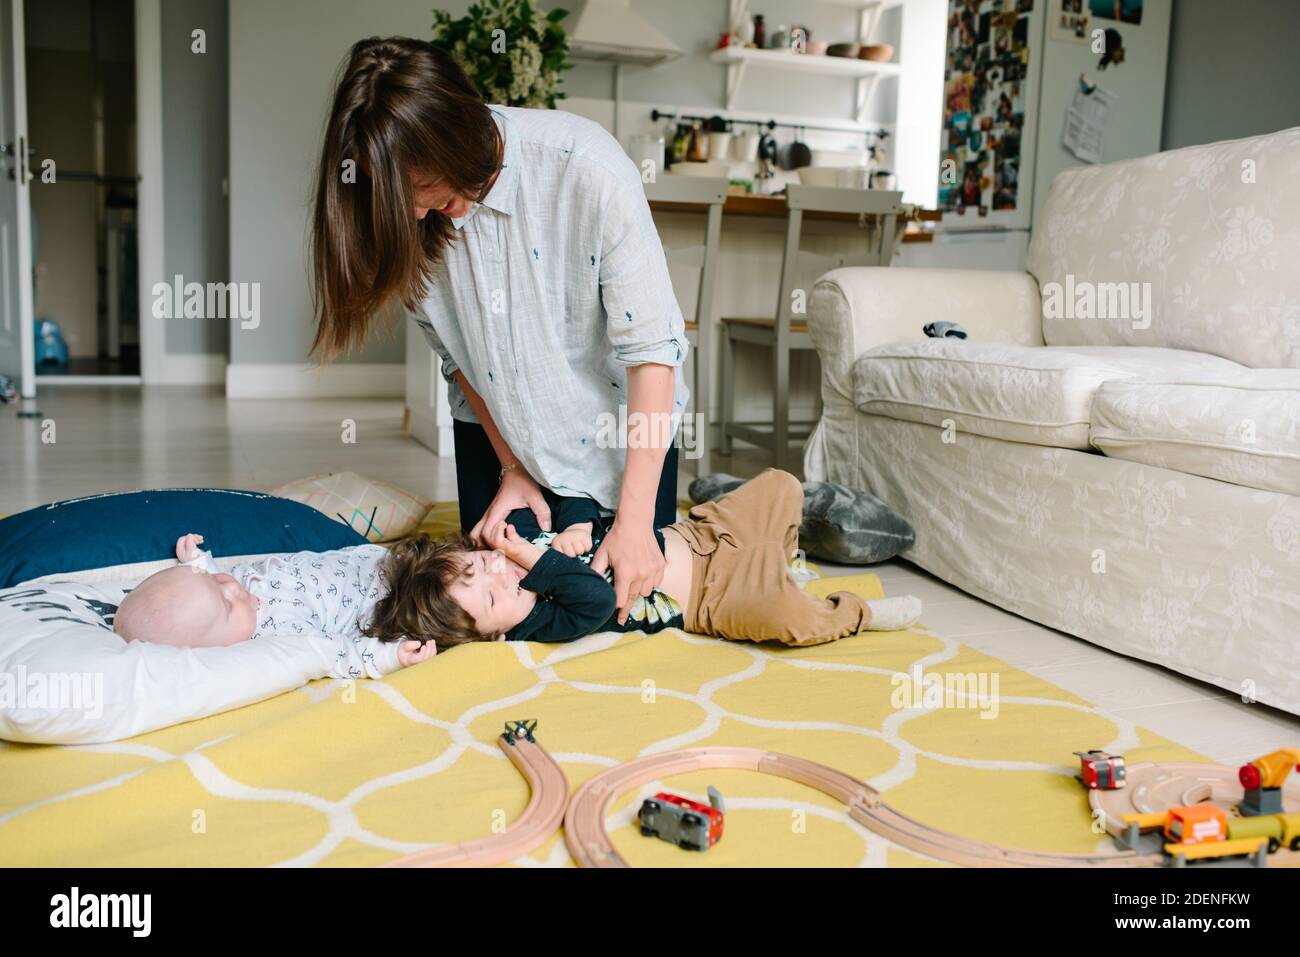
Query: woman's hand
x=413, y=652
x=633, y=553
x=187, y=547
x=518, y=490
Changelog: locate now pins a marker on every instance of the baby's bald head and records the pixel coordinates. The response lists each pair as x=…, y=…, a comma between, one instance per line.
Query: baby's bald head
x=187, y=608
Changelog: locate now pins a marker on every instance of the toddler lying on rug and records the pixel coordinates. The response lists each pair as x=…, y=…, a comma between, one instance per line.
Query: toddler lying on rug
x=725, y=575
x=322, y=596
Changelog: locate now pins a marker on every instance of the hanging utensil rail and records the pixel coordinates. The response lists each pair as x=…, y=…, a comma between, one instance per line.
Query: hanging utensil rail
x=657, y=114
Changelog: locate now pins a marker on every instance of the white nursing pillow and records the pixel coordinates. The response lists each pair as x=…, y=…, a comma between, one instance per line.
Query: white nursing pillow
x=66, y=678
x=115, y=575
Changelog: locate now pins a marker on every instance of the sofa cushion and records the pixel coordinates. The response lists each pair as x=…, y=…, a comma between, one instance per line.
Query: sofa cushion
x=1242, y=428
x=1210, y=232
x=1039, y=395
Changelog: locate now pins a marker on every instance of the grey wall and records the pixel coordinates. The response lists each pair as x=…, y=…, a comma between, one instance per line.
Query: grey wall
x=1234, y=70
x=196, y=141
x=283, y=59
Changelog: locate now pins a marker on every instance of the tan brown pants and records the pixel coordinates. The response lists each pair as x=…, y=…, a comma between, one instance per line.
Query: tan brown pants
x=740, y=588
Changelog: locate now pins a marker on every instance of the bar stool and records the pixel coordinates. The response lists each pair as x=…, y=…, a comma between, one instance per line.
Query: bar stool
x=885, y=218
x=690, y=194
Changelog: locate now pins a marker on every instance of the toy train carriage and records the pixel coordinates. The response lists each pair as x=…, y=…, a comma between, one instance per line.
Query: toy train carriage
x=681, y=821
x=1102, y=771
x=1281, y=830
x=1204, y=823
x=1197, y=824
x=1203, y=832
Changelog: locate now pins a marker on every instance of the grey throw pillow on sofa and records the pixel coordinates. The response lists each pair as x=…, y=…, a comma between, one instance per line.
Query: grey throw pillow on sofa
x=840, y=524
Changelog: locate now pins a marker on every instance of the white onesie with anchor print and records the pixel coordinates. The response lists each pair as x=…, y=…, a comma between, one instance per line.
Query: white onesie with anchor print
x=320, y=596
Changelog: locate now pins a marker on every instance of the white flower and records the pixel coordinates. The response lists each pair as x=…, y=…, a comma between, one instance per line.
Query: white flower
x=1206, y=167
x=1284, y=531
x=525, y=64
x=519, y=79
x=1259, y=232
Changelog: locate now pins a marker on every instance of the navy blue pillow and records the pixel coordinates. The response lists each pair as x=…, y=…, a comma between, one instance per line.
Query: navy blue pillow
x=125, y=527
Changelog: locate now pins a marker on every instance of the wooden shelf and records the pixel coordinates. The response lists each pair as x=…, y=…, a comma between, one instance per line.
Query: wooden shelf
x=851, y=67
x=865, y=73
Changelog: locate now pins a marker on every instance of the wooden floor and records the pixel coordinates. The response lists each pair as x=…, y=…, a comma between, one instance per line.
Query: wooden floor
x=120, y=438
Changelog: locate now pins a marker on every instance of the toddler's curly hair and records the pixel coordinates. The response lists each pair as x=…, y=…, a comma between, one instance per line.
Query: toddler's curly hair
x=419, y=574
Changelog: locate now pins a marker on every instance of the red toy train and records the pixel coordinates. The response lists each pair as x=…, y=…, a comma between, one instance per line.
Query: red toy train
x=681, y=821
x=1100, y=770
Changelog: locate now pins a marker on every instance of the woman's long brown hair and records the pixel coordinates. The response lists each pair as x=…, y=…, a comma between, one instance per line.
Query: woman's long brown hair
x=402, y=108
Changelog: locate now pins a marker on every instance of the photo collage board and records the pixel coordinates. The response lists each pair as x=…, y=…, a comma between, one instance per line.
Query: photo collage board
x=985, y=84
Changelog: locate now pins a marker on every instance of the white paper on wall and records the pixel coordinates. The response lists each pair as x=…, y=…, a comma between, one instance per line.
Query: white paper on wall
x=1085, y=122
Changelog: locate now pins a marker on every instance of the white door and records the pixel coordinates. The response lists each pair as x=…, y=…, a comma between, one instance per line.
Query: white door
x=16, y=344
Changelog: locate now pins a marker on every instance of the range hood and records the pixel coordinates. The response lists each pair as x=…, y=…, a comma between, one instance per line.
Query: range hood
x=610, y=30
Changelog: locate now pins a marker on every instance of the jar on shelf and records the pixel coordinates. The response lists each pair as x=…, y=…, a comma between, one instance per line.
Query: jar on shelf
x=745, y=32
x=699, y=143
x=681, y=144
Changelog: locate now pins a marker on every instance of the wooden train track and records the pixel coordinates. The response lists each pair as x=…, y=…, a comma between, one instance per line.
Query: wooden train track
x=584, y=815
x=541, y=818
x=584, y=821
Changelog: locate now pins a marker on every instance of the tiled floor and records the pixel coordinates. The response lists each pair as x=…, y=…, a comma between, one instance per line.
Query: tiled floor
x=110, y=439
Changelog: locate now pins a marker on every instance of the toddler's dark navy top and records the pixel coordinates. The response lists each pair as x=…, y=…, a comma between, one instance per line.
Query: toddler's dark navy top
x=572, y=599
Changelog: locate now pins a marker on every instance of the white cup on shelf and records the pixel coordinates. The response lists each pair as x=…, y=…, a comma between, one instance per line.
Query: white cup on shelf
x=719, y=146
x=744, y=147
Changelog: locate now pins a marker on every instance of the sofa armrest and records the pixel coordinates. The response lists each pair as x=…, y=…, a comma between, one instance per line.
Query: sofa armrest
x=859, y=307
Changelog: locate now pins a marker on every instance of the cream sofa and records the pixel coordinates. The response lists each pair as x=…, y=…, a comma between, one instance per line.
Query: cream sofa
x=1131, y=478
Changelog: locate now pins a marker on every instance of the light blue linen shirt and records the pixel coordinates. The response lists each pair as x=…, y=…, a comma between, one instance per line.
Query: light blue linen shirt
x=549, y=290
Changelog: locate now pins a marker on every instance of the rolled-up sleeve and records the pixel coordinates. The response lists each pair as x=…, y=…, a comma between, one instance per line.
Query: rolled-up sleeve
x=644, y=321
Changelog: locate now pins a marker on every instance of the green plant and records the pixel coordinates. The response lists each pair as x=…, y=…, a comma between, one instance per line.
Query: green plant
x=510, y=50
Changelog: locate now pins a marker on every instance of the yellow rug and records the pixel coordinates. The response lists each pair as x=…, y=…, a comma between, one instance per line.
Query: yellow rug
x=358, y=774
x=442, y=520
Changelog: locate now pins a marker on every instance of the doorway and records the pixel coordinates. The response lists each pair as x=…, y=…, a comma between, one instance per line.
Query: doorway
x=81, y=111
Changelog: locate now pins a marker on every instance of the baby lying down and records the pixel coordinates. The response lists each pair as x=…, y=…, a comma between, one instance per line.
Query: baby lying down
x=338, y=597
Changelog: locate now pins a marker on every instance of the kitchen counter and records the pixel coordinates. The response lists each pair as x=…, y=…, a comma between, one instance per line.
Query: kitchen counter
x=773, y=207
